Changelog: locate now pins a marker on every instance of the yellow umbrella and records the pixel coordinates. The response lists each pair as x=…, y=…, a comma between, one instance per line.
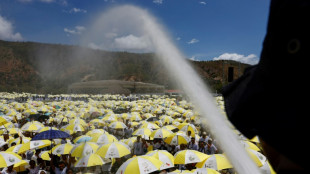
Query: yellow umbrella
x=62, y=149
x=46, y=129
x=84, y=149
x=169, y=127
x=177, y=139
x=189, y=156
x=38, y=144
x=103, y=138
x=96, y=131
x=117, y=125
x=97, y=122
x=188, y=127
x=3, y=121
x=113, y=150
x=32, y=126
x=267, y=168
x=142, y=131
x=140, y=165
x=17, y=140
x=45, y=155
x=9, y=158
x=149, y=125
x=164, y=156
x=78, y=121
x=11, y=131
x=258, y=158
x=250, y=145
x=74, y=128
x=216, y=162
x=161, y=133
x=89, y=161
x=30, y=111
x=21, y=166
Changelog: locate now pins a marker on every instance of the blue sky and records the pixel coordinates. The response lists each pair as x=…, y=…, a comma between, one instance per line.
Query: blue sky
x=201, y=29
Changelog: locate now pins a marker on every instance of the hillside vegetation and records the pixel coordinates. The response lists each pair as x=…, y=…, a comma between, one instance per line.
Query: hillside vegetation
x=50, y=68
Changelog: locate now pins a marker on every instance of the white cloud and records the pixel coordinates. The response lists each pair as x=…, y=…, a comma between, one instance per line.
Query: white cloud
x=178, y=38
x=250, y=59
x=193, y=41
x=203, y=3
x=158, y=1
x=7, y=31
x=76, y=31
x=131, y=42
x=77, y=10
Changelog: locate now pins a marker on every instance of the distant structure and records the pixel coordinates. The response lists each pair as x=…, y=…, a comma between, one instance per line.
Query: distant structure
x=115, y=87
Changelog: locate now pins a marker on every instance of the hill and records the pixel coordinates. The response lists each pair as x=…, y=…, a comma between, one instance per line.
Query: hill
x=51, y=68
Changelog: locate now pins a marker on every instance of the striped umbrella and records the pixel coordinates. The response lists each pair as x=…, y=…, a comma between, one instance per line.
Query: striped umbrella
x=142, y=131
x=140, y=165
x=161, y=133
x=89, y=161
x=113, y=150
x=117, y=125
x=177, y=139
x=189, y=156
x=62, y=149
x=164, y=156
x=84, y=149
x=216, y=162
x=9, y=158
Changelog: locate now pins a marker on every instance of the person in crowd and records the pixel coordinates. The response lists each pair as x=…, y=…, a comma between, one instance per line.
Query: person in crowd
x=204, y=137
x=210, y=148
x=192, y=144
x=33, y=168
x=8, y=170
x=138, y=147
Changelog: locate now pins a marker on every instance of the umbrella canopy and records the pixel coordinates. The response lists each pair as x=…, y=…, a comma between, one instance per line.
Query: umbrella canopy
x=250, y=145
x=164, y=156
x=15, y=148
x=267, y=169
x=9, y=158
x=170, y=127
x=149, y=125
x=82, y=138
x=113, y=150
x=103, y=138
x=38, y=144
x=117, y=125
x=189, y=156
x=177, y=139
x=3, y=121
x=161, y=133
x=89, y=161
x=188, y=127
x=84, y=149
x=142, y=131
x=216, y=162
x=45, y=155
x=95, y=131
x=258, y=158
x=32, y=126
x=62, y=149
x=140, y=165
x=51, y=134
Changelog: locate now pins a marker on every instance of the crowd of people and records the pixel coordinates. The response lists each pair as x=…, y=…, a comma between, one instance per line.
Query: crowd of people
x=106, y=109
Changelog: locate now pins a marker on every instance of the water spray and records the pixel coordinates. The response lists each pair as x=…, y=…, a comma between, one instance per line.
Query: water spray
x=193, y=86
